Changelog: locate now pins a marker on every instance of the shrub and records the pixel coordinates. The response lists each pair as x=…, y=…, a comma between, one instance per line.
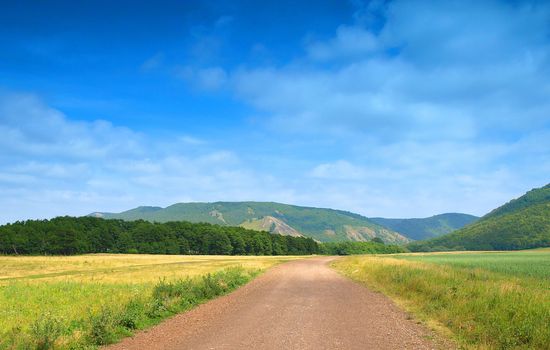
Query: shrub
x=15, y=338
x=103, y=326
x=133, y=315
x=45, y=331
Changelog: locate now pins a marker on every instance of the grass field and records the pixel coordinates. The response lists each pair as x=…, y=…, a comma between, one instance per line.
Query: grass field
x=60, y=302
x=487, y=300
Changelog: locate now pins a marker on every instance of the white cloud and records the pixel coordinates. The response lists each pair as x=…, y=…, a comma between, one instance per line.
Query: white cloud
x=152, y=62
x=190, y=140
x=211, y=78
x=450, y=71
x=394, y=190
x=51, y=165
x=442, y=106
x=340, y=169
x=349, y=42
x=30, y=127
x=443, y=110
x=407, y=178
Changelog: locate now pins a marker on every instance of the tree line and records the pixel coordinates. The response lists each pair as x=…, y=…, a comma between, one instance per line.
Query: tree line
x=376, y=246
x=71, y=235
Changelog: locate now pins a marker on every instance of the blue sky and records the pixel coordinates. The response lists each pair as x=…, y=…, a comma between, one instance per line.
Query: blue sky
x=396, y=109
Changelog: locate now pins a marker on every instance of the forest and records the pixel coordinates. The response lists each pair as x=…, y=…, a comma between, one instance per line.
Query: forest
x=80, y=235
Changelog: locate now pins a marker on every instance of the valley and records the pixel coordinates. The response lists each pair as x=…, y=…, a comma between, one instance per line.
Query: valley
x=483, y=298
x=265, y=175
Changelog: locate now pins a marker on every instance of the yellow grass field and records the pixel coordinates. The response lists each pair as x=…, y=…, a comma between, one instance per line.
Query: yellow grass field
x=70, y=289
x=122, y=268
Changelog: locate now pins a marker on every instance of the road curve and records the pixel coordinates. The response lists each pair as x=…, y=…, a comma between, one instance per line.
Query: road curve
x=298, y=305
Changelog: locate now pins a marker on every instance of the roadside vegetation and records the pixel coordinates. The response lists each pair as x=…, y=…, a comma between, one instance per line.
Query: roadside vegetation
x=82, y=302
x=490, y=300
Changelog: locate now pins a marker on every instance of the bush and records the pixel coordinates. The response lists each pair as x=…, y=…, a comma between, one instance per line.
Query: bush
x=45, y=331
x=103, y=326
x=210, y=286
x=165, y=290
x=15, y=338
x=190, y=292
x=133, y=315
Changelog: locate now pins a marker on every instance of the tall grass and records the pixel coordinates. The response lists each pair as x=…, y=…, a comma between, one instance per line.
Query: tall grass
x=108, y=322
x=486, y=301
x=86, y=301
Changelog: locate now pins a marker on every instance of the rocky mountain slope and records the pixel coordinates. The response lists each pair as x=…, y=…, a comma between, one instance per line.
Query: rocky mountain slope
x=324, y=225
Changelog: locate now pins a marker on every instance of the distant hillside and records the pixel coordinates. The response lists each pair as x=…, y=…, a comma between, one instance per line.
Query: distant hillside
x=324, y=225
x=533, y=197
x=424, y=228
x=522, y=223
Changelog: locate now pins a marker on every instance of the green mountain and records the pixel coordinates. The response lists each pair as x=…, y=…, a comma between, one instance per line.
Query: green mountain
x=324, y=225
x=533, y=197
x=522, y=223
x=424, y=228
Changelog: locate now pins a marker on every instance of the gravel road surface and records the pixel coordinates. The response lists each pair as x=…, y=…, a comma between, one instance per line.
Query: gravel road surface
x=302, y=304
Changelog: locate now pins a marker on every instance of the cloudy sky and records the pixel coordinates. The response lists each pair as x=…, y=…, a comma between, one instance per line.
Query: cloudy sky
x=396, y=109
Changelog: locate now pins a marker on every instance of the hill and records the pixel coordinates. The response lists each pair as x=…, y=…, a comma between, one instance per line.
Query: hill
x=522, y=223
x=533, y=197
x=323, y=225
x=424, y=228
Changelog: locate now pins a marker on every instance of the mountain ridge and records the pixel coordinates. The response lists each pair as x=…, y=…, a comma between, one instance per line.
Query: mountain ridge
x=531, y=197
x=429, y=227
x=322, y=224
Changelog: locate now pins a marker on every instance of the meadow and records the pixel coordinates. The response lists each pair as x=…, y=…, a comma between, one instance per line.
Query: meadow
x=89, y=300
x=482, y=300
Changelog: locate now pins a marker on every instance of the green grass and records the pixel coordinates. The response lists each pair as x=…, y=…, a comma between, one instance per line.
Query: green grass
x=531, y=263
x=491, y=300
x=86, y=301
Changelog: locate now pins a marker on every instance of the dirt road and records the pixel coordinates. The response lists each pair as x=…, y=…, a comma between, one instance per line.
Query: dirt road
x=298, y=305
